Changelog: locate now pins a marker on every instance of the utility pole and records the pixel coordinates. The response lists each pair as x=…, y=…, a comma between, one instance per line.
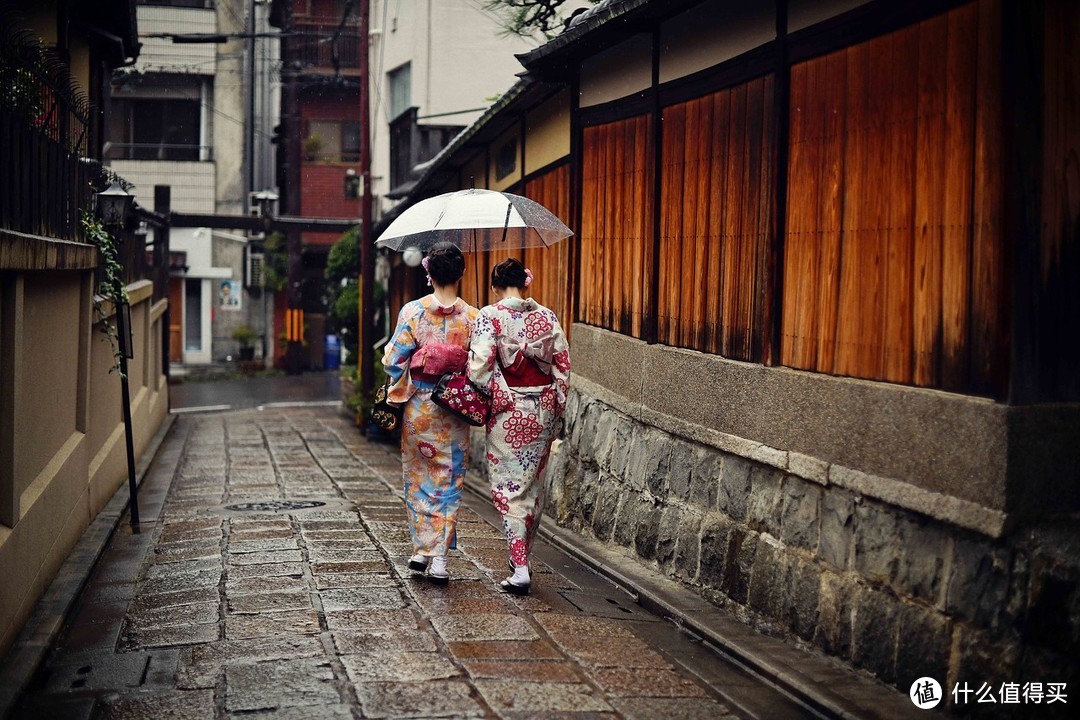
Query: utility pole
x=294, y=312
x=366, y=361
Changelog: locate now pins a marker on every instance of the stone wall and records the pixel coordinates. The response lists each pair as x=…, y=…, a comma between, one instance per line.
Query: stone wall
x=896, y=592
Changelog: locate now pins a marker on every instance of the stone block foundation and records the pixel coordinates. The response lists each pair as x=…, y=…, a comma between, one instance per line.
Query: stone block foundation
x=887, y=589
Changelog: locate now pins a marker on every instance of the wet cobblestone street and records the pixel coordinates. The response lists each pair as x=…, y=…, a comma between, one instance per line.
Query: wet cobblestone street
x=214, y=610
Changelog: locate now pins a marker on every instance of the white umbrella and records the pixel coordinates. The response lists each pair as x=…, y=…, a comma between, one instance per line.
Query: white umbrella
x=475, y=220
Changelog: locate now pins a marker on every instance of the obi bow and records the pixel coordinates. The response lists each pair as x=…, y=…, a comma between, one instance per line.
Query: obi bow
x=539, y=351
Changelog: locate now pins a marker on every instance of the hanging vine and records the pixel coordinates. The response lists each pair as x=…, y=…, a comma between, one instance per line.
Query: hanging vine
x=112, y=289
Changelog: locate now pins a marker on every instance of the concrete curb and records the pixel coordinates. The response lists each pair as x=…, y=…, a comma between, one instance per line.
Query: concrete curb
x=45, y=623
x=823, y=685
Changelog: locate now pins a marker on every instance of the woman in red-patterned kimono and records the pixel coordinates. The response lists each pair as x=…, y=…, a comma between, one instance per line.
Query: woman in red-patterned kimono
x=434, y=443
x=519, y=355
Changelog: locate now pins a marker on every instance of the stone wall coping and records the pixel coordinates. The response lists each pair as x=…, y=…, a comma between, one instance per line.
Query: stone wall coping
x=20, y=251
x=963, y=513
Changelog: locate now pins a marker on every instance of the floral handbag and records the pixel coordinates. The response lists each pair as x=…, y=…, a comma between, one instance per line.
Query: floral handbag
x=383, y=414
x=456, y=394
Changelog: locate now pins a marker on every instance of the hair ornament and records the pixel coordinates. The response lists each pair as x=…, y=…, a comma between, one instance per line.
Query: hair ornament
x=424, y=262
x=528, y=277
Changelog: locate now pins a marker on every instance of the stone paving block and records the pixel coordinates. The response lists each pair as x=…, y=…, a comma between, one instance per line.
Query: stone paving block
x=146, y=618
x=488, y=626
x=397, y=666
x=247, y=604
x=189, y=550
x=644, y=682
x=250, y=524
x=523, y=696
x=273, y=583
x=146, y=601
x=185, y=567
x=179, y=705
x=315, y=712
x=289, y=622
x=336, y=554
x=371, y=619
x=239, y=546
x=182, y=582
x=338, y=568
x=236, y=572
x=352, y=642
x=672, y=709
x=307, y=523
x=266, y=558
x=435, y=606
x=504, y=650
x=169, y=636
x=433, y=699
x=376, y=578
x=546, y=672
x=201, y=665
x=336, y=535
x=585, y=625
x=609, y=651
x=383, y=598
x=267, y=534
x=280, y=684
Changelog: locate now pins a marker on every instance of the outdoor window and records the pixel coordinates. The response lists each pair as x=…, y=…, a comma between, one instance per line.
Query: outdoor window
x=332, y=141
x=155, y=129
x=400, y=90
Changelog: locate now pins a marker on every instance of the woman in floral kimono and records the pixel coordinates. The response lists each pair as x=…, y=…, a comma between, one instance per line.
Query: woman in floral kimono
x=434, y=443
x=520, y=356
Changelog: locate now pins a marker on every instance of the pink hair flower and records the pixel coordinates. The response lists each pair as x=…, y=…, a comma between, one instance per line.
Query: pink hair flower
x=528, y=277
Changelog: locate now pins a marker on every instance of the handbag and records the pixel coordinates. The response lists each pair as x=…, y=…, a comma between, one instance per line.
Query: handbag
x=438, y=359
x=383, y=414
x=456, y=394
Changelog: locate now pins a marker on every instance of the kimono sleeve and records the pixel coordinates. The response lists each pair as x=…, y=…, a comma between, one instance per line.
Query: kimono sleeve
x=482, y=353
x=560, y=367
x=398, y=353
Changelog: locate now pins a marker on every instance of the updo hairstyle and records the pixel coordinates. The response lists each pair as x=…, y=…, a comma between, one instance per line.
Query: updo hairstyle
x=508, y=273
x=445, y=263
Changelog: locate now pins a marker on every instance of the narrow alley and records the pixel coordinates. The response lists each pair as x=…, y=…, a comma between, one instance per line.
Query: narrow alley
x=269, y=579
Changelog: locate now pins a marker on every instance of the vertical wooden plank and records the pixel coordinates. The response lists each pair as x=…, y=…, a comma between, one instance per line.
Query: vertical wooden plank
x=930, y=162
x=871, y=246
x=717, y=204
x=832, y=209
x=987, y=269
x=733, y=219
x=687, y=213
x=702, y=210
x=750, y=242
x=762, y=302
x=797, y=311
x=855, y=151
x=671, y=279
x=631, y=215
x=587, y=262
x=897, y=319
x=643, y=224
x=956, y=256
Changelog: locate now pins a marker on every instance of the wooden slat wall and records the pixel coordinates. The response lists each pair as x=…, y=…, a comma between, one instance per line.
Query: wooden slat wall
x=715, y=220
x=616, y=226
x=893, y=249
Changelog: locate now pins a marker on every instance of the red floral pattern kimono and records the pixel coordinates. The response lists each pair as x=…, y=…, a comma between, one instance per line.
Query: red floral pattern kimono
x=434, y=443
x=519, y=354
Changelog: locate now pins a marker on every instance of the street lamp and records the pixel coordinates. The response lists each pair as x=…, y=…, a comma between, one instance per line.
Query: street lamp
x=113, y=205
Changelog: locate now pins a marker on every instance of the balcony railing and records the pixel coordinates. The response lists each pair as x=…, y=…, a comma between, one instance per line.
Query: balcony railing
x=158, y=151
x=314, y=45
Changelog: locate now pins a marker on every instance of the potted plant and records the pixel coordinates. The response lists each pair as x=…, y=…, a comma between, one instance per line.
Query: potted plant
x=246, y=337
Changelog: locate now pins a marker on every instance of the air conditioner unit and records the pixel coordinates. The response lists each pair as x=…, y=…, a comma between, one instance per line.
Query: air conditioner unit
x=253, y=269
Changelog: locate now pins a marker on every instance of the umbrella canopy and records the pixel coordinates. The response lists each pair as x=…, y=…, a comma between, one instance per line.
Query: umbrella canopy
x=475, y=220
